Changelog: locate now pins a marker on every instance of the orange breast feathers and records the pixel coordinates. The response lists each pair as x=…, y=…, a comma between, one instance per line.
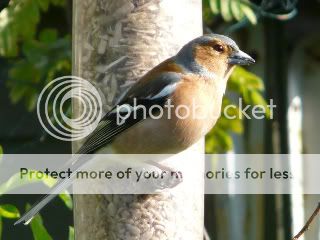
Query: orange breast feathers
x=197, y=106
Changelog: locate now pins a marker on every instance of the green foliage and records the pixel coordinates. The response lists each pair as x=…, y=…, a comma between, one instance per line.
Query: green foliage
x=9, y=211
x=36, y=57
x=16, y=181
x=231, y=10
x=66, y=198
x=71, y=233
x=18, y=22
x=43, y=59
x=248, y=86
x=241, y=79
x=43, y=56
x=6, y=210
x=38, y=229
x=1, y=224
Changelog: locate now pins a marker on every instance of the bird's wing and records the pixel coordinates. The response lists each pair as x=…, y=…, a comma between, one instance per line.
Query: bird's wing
x=121, y=117
x=154, y=88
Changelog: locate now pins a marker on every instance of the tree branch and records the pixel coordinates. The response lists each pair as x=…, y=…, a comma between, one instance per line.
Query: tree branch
x=308, y=223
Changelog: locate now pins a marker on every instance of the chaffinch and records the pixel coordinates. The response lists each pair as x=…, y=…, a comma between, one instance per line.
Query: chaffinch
x=170, y=108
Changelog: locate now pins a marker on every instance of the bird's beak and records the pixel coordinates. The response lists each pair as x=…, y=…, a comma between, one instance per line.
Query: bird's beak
x=240, y=58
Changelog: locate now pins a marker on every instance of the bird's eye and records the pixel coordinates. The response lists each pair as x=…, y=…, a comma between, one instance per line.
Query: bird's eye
x=218, y=48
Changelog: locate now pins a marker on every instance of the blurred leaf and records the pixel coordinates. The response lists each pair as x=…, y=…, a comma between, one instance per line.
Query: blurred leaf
x=43, y=4
x=254, y=82
x=48, y=35
x=234, y=125
x=32, y=101
x=207, y=13
x=218, y=141
x=71, y=233
x=66, y=198
x=1, y=227
x=9, y=211
x=225, y=10
x=35, y=53
x=236, y=9
x=20, y=86
x=246, y=95
x=229, y=109
x=215, y=6
x=233, y=10
x=257, y=99
x=24, y=70
x=16, y=181
x=250, y=14
x=44, y=60
x=38, y=230
x=18, y=22
x=60, y=3
x=242, y=79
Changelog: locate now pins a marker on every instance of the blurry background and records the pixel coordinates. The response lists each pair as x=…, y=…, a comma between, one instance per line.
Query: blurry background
x=283, y=37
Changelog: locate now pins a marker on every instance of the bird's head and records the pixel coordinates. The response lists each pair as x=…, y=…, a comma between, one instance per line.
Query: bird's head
x=212, y=55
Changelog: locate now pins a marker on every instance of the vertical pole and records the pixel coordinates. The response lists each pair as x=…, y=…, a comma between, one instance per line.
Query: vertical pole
x=277, y=206
x=114, y=43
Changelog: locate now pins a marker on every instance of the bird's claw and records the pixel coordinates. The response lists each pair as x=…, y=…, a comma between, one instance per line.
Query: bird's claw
x=170, y=179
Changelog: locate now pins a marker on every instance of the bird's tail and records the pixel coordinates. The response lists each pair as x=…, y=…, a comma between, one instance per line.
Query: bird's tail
x=58, y=188
x=74, y=164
